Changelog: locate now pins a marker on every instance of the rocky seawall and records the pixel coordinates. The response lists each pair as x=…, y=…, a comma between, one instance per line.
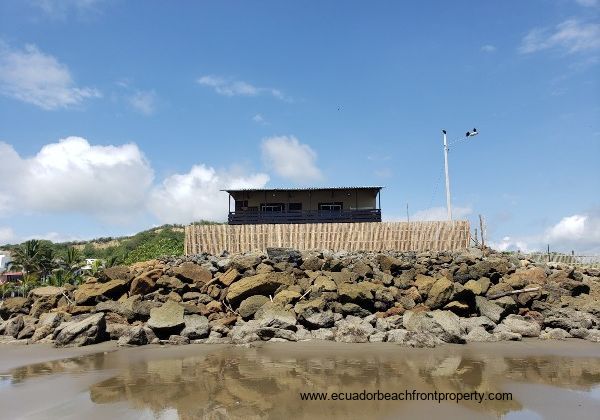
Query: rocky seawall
x=417, y=300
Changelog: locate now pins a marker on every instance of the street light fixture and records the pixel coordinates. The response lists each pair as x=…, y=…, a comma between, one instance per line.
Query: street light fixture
x=448, y=203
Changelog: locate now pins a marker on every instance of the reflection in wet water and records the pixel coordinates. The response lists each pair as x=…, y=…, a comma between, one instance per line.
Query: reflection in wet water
x=265, y=383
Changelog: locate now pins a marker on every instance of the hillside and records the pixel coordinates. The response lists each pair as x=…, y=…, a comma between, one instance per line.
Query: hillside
x=146, y=245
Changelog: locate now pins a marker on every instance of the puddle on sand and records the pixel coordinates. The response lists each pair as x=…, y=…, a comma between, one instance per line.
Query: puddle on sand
x=247, y=383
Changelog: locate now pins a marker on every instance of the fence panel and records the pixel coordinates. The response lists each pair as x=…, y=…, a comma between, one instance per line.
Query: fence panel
x=378, y=236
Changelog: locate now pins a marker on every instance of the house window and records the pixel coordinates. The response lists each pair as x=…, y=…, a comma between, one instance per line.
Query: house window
x=241, y=205
x=272, y=207
x=295, y=206
x=338, y=206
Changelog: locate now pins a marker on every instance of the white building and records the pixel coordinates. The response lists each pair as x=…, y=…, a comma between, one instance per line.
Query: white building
x=5, y=259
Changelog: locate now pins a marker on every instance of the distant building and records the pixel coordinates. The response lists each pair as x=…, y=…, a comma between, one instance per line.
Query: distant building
x=5, y=260
x=304, y=205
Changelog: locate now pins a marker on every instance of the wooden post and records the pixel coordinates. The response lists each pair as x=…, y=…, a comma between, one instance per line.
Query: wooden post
x=482, y=235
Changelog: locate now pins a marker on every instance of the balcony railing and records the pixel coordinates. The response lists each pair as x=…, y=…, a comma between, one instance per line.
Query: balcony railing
x=305, y=216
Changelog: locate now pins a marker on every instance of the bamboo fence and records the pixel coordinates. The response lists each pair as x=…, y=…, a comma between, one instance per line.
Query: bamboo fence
x=379, y=236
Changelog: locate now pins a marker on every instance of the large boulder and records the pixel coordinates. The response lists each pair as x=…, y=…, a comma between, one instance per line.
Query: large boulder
x=359, y=293
x=89, y=293
x=412, y=338
x=353, y=330
x=118, y=272
x=568, y=319
x=277, y=318
x=524, y=325
x=136, y=336
x=117, y=308
x=443, y=324
x=14, y=325
x=196, y=327
x=259, y=284
x=250, y=305
x=245, y=262
x=489, y=309
x=193, y=273
x=439, y=293
x=167, y=319
x=89, y=330
x=316, y=320
x=15, y=305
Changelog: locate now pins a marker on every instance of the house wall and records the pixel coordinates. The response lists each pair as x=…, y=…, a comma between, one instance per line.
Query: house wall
x=351, y=199
x=4, y=260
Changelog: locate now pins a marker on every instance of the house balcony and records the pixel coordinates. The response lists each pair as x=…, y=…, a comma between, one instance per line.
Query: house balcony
x=304, y=216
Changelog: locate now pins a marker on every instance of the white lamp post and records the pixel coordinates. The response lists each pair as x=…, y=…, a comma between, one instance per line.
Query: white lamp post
x=448, y=202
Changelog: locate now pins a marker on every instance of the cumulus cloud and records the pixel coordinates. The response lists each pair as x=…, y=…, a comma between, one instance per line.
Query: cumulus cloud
x=259, y=119
x=229, y=87
x=74, y=176
x=572, y=36
x=31, y=76
x=196, y=195
x=578, y=232
x=143, y=102
x=291, y=159
x=441, y=213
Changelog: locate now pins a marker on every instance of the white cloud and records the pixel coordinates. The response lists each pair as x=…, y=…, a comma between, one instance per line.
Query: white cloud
x=572, y=36
x=143, y=101
x=34, y=77
x=61, y=8
x=196, y=195
x=578, y=232
x=441, y=213
x=258, y=118
x=291, y=159
x=109, y=182
x=488, y=48
x=588, y=3
x=228, y=87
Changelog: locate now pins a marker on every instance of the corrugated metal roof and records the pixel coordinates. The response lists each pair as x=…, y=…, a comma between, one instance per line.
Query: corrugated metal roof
x=302, y=189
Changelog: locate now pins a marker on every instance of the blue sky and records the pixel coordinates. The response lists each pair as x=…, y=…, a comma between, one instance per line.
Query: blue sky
x=119, y=115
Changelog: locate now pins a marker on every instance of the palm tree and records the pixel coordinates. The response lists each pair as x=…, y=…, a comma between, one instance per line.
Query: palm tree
x=28, y=257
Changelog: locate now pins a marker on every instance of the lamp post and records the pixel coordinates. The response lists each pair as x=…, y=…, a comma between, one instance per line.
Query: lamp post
x=448, y=202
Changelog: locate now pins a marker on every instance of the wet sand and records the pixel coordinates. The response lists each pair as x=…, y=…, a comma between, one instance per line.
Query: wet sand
x=548, y=380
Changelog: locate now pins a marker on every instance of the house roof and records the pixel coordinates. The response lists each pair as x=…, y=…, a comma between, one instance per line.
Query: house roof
x=302, y=189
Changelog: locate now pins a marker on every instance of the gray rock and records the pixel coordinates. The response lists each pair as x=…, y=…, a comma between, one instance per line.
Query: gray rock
x=116, y=307
x=277, y=318
x=178, y=340
x=250, y=305
x=167, y=320
x=504, y=334
x=479, y=334
x=413, y=338
x=353, y=330
x=90, y=330
x=269, y=333
x=554, y=334
x=468, y=324
x=14, y=325
x=325, y=334
x=245, y=333
x=489, y=309
x=378, y=337
x=593, y=336
x=568, y=319
x=354, y=310
x=196, y=327
x=316, y=320
x=443, y=324
x=524, y=325
x=134, y=336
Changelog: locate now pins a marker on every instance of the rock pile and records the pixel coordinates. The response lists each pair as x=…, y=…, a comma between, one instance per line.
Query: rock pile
x=419, y=300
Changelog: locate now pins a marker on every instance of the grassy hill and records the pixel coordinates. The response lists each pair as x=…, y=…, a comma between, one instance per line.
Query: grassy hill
x=143, y=246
